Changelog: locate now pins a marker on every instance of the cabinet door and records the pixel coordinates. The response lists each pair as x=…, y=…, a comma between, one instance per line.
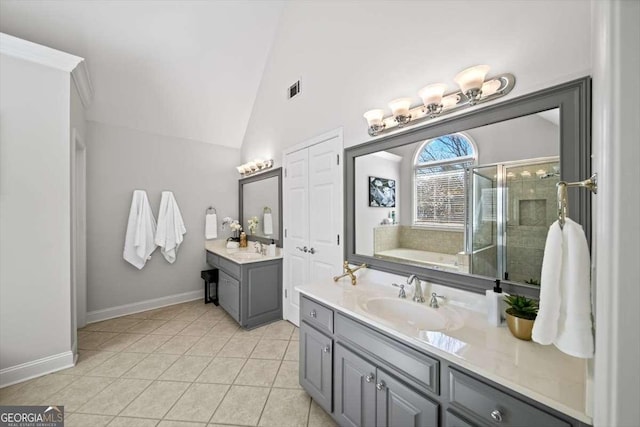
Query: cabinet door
x=316, y=374
x=229, y=294
x=355, y=386
x=400, y=406
x=261, y=293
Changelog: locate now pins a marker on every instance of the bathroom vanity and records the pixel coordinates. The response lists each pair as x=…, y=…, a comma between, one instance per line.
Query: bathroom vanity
x=370, y=358
x=249, y=283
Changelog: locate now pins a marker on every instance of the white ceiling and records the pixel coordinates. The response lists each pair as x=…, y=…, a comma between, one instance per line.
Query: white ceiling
x=187, y=69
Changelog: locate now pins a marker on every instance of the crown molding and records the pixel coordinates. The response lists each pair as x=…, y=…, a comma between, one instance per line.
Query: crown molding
x=33, y=52
x=82, y=81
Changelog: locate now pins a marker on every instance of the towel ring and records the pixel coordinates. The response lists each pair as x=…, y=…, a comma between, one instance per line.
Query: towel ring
x=212, y=210
x=266, y=210
x=590, y=184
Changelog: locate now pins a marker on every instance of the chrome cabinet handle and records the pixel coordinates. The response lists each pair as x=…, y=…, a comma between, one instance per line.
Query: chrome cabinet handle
x=326, y=349
x=369, y=378
x=304, y=249
x=313, y=314
x=381, y=385
x=312, y=251
x=496, y=415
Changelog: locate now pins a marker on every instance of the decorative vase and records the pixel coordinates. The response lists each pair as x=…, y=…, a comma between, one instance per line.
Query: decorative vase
x=519, y=327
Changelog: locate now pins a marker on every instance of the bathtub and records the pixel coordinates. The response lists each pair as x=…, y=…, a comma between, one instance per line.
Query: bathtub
x=434, y=260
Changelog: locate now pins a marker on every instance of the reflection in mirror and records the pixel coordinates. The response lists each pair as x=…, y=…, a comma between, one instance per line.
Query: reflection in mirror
x=260, y=205
x=477, y=202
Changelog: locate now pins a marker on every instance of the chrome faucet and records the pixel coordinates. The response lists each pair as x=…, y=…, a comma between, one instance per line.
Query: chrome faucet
x=260, y=249
x=417, y=292
x=433, y=303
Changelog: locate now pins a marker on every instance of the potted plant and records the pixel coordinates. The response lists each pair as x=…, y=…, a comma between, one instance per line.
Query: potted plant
x=521, y=314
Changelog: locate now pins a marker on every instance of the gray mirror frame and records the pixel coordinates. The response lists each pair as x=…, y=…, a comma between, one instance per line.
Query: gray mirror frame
x=259, y=177
x=574, y=101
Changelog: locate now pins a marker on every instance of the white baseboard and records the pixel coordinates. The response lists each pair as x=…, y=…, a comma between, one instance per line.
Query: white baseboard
x=137, y=307
x=36, y=368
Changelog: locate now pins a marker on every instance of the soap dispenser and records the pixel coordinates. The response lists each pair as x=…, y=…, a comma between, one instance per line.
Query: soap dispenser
x=495, y=304
x=271, y=249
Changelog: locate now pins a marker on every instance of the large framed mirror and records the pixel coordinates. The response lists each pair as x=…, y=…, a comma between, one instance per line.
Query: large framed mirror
x=469, y=199
x=260, y=199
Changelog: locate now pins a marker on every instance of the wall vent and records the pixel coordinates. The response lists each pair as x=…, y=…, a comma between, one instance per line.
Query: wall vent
x=294, y=90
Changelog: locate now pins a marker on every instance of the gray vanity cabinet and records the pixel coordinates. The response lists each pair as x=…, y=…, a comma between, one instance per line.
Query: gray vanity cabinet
x=316, y=373
x=251, y=293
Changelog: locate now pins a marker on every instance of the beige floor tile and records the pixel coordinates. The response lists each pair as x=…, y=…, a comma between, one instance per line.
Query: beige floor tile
x=156, y=400
x=92, y=340
x=238, y=347
x=120, y=342
x=208, y=346
x=279, y=330
x=319, y=418
x=186, y=368
x=177, y=345
x=113, y=399
x=166, y=313
x=169, y=423
x=37, y=391
x=196, y=329
x=270, y=349
x=85, y=420
x=258, y=372
x=242, y=405
x=286, y=408
x=79, y=392
x=172, y=327
x=119, y=324
x=88, y=360
x=198, y=403
x=288, y=376
x=221, y=370
x=206, y=321
x=224, y=425
x=148, y=344
x=151, y=367
x=224, y=328
x=293, y=351
x=141, y=315
x=132, y=422
x=146, y=326
x=296, y=335
x=253, y=333
x=189, y=315
x=117, y=365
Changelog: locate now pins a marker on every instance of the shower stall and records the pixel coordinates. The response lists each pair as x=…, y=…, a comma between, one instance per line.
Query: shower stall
x=510, y=207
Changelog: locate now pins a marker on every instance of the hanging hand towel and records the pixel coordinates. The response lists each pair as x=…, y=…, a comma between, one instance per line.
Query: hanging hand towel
x=564, y=318
x=141, y=228
x=211, y=226
x=267, y=225
x=170, y=227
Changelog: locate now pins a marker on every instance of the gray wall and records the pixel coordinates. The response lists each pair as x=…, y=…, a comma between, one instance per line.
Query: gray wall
x=121, y=160
x=34, y=220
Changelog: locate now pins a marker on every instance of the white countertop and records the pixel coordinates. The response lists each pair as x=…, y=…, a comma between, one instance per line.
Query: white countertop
x=542, y=373
x=219, y=247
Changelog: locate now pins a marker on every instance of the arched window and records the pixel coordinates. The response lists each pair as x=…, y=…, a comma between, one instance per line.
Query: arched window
x=439, y=190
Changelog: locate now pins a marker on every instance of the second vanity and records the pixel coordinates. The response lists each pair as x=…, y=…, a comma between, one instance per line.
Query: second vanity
x=370, y=358
x=249, y=283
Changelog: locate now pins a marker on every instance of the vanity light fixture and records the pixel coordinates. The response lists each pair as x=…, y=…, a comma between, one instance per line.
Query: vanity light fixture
x=475, y=89
x=254, y=166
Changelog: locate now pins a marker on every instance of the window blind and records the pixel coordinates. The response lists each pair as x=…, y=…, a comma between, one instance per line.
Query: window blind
x=440, y=195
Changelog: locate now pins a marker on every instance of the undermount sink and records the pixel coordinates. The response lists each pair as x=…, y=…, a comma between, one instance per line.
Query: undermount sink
x=244, y=256
x=415, y=315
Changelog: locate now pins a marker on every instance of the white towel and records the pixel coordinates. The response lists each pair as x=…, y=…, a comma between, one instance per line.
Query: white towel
x=211, y=226
x=564, y=318
x=267, y=224
x=141, y=228
x=170, y=227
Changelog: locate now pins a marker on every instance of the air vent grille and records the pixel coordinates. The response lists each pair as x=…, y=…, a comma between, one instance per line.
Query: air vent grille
x=294, y=89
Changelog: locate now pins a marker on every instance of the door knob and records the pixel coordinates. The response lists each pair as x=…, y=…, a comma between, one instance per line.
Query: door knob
x=326, y=349
x=312, y=251
x=381, y=385
x=496, y=415
x=369, y=378
x=304, y=249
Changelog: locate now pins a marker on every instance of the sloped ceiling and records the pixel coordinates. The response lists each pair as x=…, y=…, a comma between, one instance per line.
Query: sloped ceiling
x=187, y=69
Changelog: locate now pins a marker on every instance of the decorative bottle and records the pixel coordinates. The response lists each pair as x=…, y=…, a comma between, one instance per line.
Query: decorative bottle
x=243, y=239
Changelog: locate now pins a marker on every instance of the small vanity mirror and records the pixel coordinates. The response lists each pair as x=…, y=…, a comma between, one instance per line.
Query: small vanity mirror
x=261, y=206
x=470, y=199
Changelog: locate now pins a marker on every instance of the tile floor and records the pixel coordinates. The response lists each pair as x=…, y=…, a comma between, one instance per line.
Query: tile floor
x=183, y=365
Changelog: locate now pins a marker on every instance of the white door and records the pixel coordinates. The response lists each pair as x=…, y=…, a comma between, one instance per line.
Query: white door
x=296, y=225
x=312, y=217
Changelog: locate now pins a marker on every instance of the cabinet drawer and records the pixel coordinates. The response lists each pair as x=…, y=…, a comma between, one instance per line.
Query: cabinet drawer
x=316, y=315
x=416, y=367
x=493, y=406
x=213, y=260
x=230, y=267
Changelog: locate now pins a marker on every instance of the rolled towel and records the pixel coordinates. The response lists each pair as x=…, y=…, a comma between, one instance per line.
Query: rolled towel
x=170, y=227
x=267, y=224
x=141, y=228
x=211, y=226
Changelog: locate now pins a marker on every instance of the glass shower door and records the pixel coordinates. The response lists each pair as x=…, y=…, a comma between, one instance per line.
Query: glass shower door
x=482, y=222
